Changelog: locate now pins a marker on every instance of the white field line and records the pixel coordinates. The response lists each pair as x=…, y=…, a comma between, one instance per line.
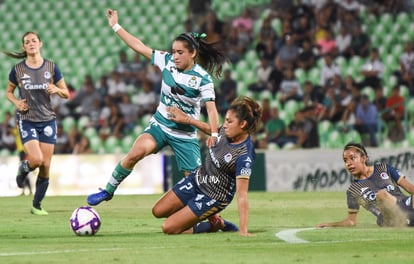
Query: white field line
x=289, y=235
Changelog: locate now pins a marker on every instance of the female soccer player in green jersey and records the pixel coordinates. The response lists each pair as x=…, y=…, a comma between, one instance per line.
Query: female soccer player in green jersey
x=186, y=84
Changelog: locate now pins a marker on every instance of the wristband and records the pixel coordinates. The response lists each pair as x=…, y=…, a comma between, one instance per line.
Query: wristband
x=214, y=134
x=116, y=27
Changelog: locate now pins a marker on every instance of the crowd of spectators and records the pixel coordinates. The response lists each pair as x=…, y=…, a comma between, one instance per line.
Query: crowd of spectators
x=308, y=35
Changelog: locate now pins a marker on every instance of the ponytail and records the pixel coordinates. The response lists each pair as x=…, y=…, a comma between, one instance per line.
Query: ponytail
x=209, y=56
x=22, y=54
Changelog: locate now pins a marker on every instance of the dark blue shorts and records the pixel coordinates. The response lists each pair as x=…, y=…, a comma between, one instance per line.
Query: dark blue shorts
x=41, y=131
x=201, y=205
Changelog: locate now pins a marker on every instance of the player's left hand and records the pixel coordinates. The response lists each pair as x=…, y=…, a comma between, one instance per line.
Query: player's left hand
x=52, y=89
x=176, y=114
x=112, y=16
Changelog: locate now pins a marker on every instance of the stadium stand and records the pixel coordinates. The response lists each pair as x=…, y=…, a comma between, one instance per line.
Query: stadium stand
x=77, y=37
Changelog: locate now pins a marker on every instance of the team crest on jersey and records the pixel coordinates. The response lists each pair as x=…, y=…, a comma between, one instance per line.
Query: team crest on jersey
x=47, y=75
x=228, y=157
x=192, y=82
x=384, y=176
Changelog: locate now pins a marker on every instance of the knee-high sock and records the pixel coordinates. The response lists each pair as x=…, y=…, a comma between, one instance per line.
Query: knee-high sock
x=202, y=227
x=41, y=187
x=118, y=175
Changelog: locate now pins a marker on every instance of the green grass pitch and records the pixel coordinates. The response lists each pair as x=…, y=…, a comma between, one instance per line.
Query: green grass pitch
x=130, y=234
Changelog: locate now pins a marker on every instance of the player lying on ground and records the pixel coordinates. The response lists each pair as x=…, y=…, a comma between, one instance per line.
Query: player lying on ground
x=225, y=172
x=377, y=189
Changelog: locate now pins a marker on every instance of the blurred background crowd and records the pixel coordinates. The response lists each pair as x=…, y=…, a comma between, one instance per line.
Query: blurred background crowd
x=325, y=72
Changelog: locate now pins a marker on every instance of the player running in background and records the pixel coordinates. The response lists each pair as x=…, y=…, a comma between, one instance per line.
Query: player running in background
x=225, y=172
x=36, y=79
x=377, y=189
x=186, y=84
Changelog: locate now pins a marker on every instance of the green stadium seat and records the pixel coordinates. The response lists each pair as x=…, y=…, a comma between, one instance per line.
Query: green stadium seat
x=352, y=136
x=90, y=132
x=112, y=145
x=402, y=19
x=127, y=142
x=83, y=122
x=96, y=144
x=324, y=128
x=334, y=140
x=301, y=75
x=68, y=123
x=368, y=91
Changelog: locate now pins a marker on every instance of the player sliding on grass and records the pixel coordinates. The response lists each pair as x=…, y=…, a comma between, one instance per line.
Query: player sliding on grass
x=186, y=83
x=225, y=172
x=376, y=188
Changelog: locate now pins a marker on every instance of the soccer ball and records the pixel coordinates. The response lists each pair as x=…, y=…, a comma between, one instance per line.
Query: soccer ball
x=85, y=221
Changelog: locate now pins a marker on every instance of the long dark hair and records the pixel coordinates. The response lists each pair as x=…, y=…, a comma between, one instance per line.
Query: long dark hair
x=247, y=109
x=21, y=54
x=209, y=55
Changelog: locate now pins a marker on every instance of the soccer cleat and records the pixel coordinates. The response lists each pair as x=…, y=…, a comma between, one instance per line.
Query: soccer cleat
x=229, y=227
x=216, y=222
x=22, y=174
x=37, y=211
x=97, y=198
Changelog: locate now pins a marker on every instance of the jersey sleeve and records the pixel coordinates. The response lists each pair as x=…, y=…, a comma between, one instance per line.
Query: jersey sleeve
x=58, y=74
x=352, y=202
x=207, y=88
x=244, y=166
x=395, y=174
x=160, y=59
x=12, y=76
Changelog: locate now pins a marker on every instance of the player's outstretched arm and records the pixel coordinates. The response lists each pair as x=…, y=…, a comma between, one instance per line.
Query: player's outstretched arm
x=351, y=220
x=133, y=42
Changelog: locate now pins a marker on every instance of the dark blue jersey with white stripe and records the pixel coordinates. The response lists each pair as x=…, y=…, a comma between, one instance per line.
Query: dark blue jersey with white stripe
x=224, y=162
x=32, y=84
x=363, y=192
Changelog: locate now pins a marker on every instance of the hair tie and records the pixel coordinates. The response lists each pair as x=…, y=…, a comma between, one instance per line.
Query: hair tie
x=192, y=38
x=198, y=35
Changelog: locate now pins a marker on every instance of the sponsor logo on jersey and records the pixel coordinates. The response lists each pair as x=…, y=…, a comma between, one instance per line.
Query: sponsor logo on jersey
x=211, y=202
x=199, y=197
x=367, y=193
x=25, y=76
x=246, y=171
